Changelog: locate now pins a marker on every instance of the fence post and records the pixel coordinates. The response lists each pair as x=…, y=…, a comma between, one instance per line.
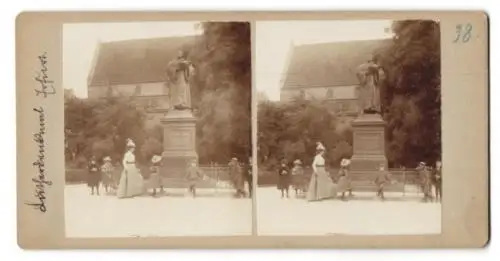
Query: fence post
x=212, y=174
x=404, y=182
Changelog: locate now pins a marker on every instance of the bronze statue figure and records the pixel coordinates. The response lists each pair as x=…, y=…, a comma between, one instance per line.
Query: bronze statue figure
x=368, y=92
x=179, y=73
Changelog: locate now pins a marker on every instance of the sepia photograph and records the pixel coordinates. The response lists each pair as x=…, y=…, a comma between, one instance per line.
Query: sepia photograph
x=157, y=129
x=349, y=127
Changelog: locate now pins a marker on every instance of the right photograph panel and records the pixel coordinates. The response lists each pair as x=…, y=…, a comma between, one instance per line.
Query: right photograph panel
x=349, y=127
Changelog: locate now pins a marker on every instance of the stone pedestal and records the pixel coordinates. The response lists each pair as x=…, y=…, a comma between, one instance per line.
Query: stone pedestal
x=368, y=143
x=179, y=142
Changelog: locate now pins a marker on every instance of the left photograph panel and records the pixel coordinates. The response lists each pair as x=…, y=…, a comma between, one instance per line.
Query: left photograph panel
x=157, y=129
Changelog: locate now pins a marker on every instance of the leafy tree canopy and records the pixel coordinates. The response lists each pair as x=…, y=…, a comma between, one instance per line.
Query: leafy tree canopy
x=411, y=92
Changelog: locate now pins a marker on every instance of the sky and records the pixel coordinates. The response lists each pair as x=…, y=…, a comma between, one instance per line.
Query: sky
x=275, y=38
x=81, y=39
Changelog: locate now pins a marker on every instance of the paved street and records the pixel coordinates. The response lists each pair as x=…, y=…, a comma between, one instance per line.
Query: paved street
x=175, y=215
x=222, y=215
x=364, y=215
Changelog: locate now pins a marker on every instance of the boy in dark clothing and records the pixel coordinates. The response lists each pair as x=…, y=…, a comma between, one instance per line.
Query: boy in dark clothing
x=284, y=179
x=94, y=176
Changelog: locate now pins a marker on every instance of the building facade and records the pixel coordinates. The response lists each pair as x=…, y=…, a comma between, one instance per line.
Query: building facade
x=327, y=71
x=136, y=68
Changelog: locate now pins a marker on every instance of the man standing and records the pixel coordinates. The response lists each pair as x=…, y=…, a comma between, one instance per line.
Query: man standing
x=437, y=180
x=249, y=176
x=236, y=177
x=425, y=181
x=193, y=175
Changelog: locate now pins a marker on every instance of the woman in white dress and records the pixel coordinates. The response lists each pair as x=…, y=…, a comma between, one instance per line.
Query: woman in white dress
x=321, y=185
x=131, y=181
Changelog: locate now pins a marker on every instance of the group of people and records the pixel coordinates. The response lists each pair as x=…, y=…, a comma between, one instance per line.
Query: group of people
x=430, y=177
x=130, y=182
x=104, y=175
x=239, y=174
x=321, y=186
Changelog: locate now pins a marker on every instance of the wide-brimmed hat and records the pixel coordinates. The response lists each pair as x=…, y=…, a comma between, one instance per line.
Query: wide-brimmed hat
x=108, y=158
x=320, y=147
x=130, y=143
x=297, y=162
x=156, y=159
x=345, y=162
x=421, y=163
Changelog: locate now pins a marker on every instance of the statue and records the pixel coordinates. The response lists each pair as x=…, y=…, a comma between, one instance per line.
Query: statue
x=179, y=73
x=369, y=91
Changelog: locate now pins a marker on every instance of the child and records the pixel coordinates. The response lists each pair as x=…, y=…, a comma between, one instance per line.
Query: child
x=94, y=176
x=155, y=177
x=344, y=183
x=193, y=174
x=283, y=179
x=298, y=177
x=107, y=174
x=381, y=180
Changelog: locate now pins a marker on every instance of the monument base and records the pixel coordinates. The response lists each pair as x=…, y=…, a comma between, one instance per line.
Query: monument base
x=368, y=143
x=179, y=143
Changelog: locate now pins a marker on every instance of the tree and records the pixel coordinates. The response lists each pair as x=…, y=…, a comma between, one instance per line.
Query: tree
x=152, y=146
x=223, y=83
x=101, y=127
x=411, y=92
x=290, y=130
x=102, y=148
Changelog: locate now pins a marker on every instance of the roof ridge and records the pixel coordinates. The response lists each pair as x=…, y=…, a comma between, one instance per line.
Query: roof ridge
x=342, y=42
x=150, y=39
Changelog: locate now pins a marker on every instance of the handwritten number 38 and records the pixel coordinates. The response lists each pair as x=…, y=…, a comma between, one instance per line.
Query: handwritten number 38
x=463, y=33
